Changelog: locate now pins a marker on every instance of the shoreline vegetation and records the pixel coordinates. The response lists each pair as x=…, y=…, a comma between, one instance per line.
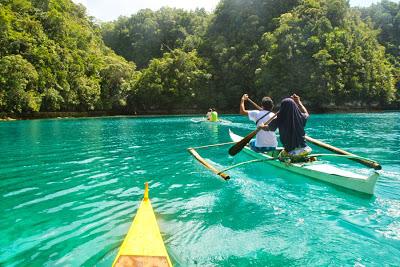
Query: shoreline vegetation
x=181, y=112
x=56, y=59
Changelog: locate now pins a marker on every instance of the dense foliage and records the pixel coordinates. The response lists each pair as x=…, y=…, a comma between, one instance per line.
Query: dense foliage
x=232, y=44
x=320, y=49
x=385, y=17
x=175, y=81
x=148, y=34
x=324, y=52
x=53, y=57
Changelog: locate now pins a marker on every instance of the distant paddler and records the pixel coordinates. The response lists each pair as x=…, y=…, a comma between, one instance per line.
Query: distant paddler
x=212, y=115
x=265, y=140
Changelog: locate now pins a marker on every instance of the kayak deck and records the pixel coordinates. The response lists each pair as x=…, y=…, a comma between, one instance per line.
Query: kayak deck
x=319, y=170
x=143, y=245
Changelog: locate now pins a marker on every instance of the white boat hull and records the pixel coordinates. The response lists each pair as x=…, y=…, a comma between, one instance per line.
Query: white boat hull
x=320, y=171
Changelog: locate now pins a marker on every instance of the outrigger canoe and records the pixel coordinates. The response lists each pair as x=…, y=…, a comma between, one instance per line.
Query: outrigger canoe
x=143, y=245
x=202, y=120
x=319, y=170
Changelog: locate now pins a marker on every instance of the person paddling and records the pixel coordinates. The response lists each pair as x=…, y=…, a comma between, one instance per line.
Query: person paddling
x=214, y=115
x=265, y=140
x=291, y=120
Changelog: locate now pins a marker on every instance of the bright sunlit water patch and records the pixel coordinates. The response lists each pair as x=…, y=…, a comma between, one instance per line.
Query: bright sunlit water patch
x=69, y=189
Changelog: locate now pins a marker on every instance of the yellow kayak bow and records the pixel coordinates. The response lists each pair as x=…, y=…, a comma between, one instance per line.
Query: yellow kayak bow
x=143, y=245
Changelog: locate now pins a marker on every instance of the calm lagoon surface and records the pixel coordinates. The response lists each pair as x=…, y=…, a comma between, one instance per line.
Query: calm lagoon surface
x=69, y=189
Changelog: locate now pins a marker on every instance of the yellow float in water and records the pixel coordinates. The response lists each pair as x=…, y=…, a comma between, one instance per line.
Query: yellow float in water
x=143, y=245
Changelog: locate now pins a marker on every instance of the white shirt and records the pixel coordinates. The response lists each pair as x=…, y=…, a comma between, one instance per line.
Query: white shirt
x=263, y=138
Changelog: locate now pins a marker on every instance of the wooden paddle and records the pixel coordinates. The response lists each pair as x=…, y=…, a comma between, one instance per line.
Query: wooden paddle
x=236, y=148
x=366, y=162
x=254, y=104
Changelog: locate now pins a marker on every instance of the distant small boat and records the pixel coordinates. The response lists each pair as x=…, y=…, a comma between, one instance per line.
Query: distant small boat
x=199, y=120
x=319, y=170
x=143, y=245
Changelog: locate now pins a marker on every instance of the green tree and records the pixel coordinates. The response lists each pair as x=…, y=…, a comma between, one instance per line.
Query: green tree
x=148, y=34
x=18, y=80
x=324, y=52
x=232, y=45
x=178, y=80
x=88, y=93
x=66, y=50
x=116, y=83
x=385, y=17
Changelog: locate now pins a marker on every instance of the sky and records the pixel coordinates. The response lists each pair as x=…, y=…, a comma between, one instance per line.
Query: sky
x=108, y=10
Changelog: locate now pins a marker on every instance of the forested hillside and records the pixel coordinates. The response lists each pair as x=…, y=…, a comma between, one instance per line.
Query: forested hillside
x=53, y=57
x=148, y=34
x=322, y=50
x=385, y=17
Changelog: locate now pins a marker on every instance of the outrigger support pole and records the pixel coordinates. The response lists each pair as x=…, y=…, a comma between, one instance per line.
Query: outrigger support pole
x=367, y=162
x=206, y=164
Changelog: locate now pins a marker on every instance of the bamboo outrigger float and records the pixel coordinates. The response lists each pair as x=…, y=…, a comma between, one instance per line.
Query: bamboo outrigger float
x=192, y=150
x=208, y=165
x=318, y=170
x=143, y=245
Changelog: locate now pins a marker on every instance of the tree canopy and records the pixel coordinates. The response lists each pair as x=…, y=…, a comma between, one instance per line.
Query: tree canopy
x=54, y=57
x=385, y=17
x=148, y=34
x=177, y=80
x=324, y=52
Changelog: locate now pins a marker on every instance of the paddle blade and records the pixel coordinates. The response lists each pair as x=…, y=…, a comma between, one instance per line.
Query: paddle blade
x=236, y=148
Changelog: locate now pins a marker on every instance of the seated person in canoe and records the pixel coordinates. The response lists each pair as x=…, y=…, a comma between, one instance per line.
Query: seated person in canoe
x=265, y=140
x=213, y=115
x=291, y=120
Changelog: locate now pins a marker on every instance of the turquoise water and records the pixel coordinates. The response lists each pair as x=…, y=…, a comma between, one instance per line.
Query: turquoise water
x=70, y=187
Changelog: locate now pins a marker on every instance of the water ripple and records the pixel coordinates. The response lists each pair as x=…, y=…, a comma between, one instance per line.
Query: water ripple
x=69, y=197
